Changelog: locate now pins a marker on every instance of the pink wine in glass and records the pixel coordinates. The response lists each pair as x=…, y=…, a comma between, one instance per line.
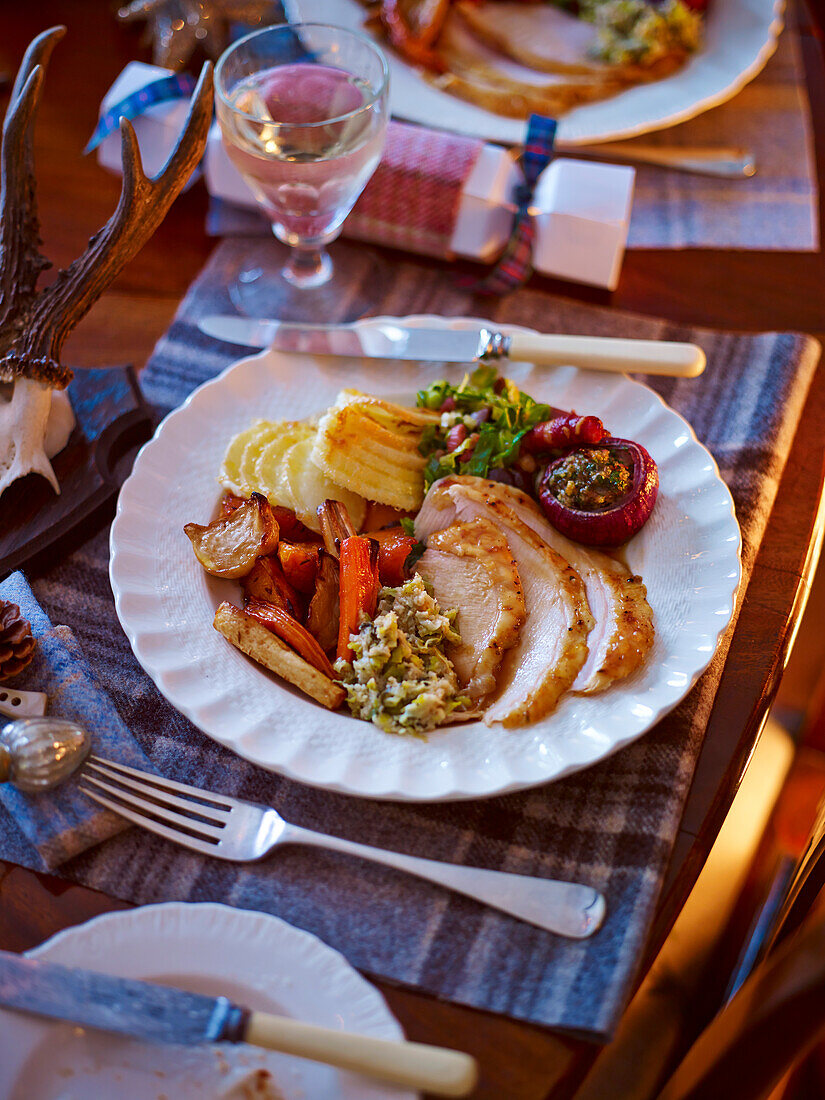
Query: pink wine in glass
x=303, y=110
x=300, y=137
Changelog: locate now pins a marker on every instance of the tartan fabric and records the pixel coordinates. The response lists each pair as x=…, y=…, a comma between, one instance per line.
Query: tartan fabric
x=515, y=264
x=775, y=209
x=411, y=202
x=612, y=825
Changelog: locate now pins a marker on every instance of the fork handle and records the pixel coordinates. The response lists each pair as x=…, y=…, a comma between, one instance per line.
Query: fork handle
x=711, y=160
x=567, y=908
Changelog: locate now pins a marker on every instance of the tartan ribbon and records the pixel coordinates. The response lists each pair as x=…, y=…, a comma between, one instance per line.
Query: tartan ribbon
x=177, y=86
x=516, y=262
x=165, y=88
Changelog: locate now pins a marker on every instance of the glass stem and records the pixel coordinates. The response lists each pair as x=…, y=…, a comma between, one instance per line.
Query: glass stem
x=307, y=267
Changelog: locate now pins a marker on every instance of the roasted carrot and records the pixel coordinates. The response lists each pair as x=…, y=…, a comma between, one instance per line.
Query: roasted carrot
x=381, y=516
x=324, y=607
x=267, y=582
x=359, y=586
x=291, y=527
x=289, y=630
x=336, y=525
x=430, y=16
x=394, y=547
x=299, y=561
x=408, y=45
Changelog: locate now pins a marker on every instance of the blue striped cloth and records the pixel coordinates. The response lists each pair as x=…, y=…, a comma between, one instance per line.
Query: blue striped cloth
x=56, y=825
x=612, y=825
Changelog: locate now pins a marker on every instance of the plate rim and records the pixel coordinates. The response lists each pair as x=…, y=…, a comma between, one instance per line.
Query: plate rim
x=372, y=1005
x=155, y=670
x=512, y=131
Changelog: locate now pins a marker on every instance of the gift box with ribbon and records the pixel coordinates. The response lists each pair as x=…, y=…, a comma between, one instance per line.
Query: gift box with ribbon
x=434, y=193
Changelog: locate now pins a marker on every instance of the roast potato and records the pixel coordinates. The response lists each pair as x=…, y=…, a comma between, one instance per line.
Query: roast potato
x=229, y=547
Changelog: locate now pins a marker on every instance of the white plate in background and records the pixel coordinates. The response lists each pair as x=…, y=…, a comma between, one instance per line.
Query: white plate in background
x=740, y=36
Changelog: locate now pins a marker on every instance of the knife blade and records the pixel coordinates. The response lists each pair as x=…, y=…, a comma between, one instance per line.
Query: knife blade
x=384, y=338
x=160, y=1014
x=140, y=1009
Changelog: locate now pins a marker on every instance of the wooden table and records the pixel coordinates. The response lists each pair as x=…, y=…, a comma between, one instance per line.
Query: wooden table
x=745, y=290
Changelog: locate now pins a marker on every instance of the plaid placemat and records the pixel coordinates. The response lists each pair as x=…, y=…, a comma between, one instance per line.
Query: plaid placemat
x=612, y=825
x=61, y=823
x=778, y=208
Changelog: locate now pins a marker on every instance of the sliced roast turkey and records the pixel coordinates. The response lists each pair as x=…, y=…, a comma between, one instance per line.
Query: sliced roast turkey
x=470, y=567
x=478, y=73
x=540, y=36
x=552, y=644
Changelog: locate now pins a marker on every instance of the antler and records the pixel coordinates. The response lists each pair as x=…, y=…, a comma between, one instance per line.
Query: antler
x=35, y=325
x=20, y=258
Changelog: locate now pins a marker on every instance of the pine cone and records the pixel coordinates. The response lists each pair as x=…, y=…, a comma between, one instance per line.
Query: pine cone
x=16, y=641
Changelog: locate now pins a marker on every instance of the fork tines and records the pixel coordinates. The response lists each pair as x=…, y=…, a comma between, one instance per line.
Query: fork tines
x=174, y=810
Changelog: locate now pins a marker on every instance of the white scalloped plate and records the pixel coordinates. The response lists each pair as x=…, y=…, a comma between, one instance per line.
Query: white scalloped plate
x=740, y=36
x=688, y=555
x=254, y=959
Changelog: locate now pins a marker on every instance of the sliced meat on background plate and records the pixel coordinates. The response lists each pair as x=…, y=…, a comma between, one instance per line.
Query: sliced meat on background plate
x=470, y=567
x=539, y=36
x=552, y=645
x=487, y=78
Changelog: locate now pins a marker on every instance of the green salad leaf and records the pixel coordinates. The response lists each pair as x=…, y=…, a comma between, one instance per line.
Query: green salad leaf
x=495, y=441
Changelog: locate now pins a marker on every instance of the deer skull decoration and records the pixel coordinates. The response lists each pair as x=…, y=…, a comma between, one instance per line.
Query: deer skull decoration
x=34, y=324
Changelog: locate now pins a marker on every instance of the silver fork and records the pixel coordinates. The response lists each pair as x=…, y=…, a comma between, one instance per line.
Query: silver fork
x=233, y=829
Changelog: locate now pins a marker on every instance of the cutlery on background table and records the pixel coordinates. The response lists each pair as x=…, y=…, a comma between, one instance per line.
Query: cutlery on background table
x=382, y=338
x=157, y=1013
x=239, y=831
x=730, y=162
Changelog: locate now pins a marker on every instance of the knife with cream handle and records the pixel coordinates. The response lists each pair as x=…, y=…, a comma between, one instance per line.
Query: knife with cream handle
x=158, y=1013
x=386, y=338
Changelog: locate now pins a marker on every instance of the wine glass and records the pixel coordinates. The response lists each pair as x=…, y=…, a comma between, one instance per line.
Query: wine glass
x=303, y=113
